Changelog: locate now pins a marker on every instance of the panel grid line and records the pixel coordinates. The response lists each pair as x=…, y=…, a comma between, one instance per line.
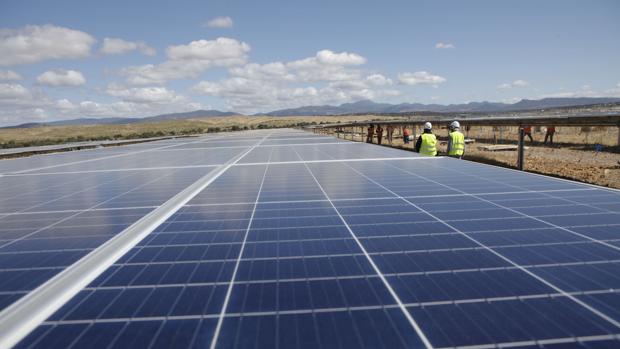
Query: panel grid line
x=405, y=312
x=529, y=272
x=220, y=320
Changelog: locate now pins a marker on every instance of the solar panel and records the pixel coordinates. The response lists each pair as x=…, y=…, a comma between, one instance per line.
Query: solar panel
x=308, y=241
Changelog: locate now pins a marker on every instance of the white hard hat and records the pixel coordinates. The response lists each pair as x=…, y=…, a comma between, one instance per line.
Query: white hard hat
x=428, y=126
x=455, y=124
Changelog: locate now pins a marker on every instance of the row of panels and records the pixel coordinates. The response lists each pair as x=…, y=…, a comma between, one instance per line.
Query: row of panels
x=324, y=254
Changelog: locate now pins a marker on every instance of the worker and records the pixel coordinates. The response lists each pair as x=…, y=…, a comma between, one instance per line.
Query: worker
x=379, y=134
x=427, y=142
x=371, y=132
x=405, y=135
x=390, y=133
x=549, y=134
x=456, y=141
x=527, y=130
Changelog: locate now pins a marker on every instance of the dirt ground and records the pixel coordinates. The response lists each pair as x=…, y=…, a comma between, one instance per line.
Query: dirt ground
x=572, y=157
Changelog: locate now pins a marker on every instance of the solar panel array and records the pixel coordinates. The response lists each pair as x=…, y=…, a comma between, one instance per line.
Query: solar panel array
x=307, y=241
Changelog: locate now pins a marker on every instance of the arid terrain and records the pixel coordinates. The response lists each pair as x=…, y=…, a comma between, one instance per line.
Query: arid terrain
x=46, y=135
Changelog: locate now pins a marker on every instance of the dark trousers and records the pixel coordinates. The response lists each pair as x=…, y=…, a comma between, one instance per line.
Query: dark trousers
x=369, y=139
x=529, y=135
x=550, y=136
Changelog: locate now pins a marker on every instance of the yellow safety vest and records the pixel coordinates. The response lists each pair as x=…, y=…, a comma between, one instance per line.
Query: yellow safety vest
x=429, y=144
x=457, y=141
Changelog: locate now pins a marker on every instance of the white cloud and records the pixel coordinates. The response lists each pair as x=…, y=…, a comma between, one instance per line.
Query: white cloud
x=34, y=43
x=420, y=78
x=13, y=92
x=516, y=83
x=189, y=61
x=328, y=77
x=327, y=65
x=220, y=22
x=15, y=97
x=378, y=80
x=270, y=71
x=19, y=105
x=224, y=51
x=144, y=94
x=9, y=75
x=342, y=58
x=61, y=77
x=113, y=46
x=441, y=45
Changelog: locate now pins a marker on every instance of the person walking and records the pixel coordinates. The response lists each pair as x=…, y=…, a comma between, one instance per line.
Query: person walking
x=390, y=134
x=549, y=134
x=527, y=130
x=427, y=142
x=456, y=141
x=379, y=134
x=405, y=135
x=371, y=132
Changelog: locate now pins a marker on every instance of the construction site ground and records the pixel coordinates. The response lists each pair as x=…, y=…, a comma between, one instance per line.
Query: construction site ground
x=571, y=161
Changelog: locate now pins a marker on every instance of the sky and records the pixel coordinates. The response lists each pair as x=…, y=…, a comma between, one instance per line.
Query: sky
x=67, y=59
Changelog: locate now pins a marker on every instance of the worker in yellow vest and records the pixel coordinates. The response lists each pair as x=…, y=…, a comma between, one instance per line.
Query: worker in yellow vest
x=456, y=141
x=427, y=142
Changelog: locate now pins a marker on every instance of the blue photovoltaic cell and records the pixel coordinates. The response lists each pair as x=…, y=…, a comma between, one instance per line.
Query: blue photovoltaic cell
x=293, y=248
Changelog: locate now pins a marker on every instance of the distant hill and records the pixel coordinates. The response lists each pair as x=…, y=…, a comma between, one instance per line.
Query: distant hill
x=367, y=106
x=120, y=121
x=360, y=107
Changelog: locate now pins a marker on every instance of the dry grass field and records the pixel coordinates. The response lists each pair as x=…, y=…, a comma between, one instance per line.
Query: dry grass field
x=46, y=135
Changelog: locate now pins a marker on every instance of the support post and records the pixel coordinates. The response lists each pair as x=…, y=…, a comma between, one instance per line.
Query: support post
x=520, y=156
x=618, y=142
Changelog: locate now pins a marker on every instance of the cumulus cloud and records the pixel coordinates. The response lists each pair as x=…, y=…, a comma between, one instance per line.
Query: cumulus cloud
x=34, y=43
x=144, y=94
x=61, y=77
x=189, y=61
x=13, y=92
x=18, y=105
x=15, y=97
x=114, y=46
x=246, y=95
x=327, y=65
x=516, y=83
x=270, y=71
x=441, y=45
x=420, y=78
x=378, y=80
x=223, y=51
x=328, y=77
x=220, y=22
x=342, y=58
x=9, y=75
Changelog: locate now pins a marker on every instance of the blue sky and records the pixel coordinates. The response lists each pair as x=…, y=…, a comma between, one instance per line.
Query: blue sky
x=65, y=59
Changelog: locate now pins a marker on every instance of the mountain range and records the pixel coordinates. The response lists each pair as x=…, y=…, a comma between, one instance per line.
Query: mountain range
x=367, y=106
x=360, y=107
